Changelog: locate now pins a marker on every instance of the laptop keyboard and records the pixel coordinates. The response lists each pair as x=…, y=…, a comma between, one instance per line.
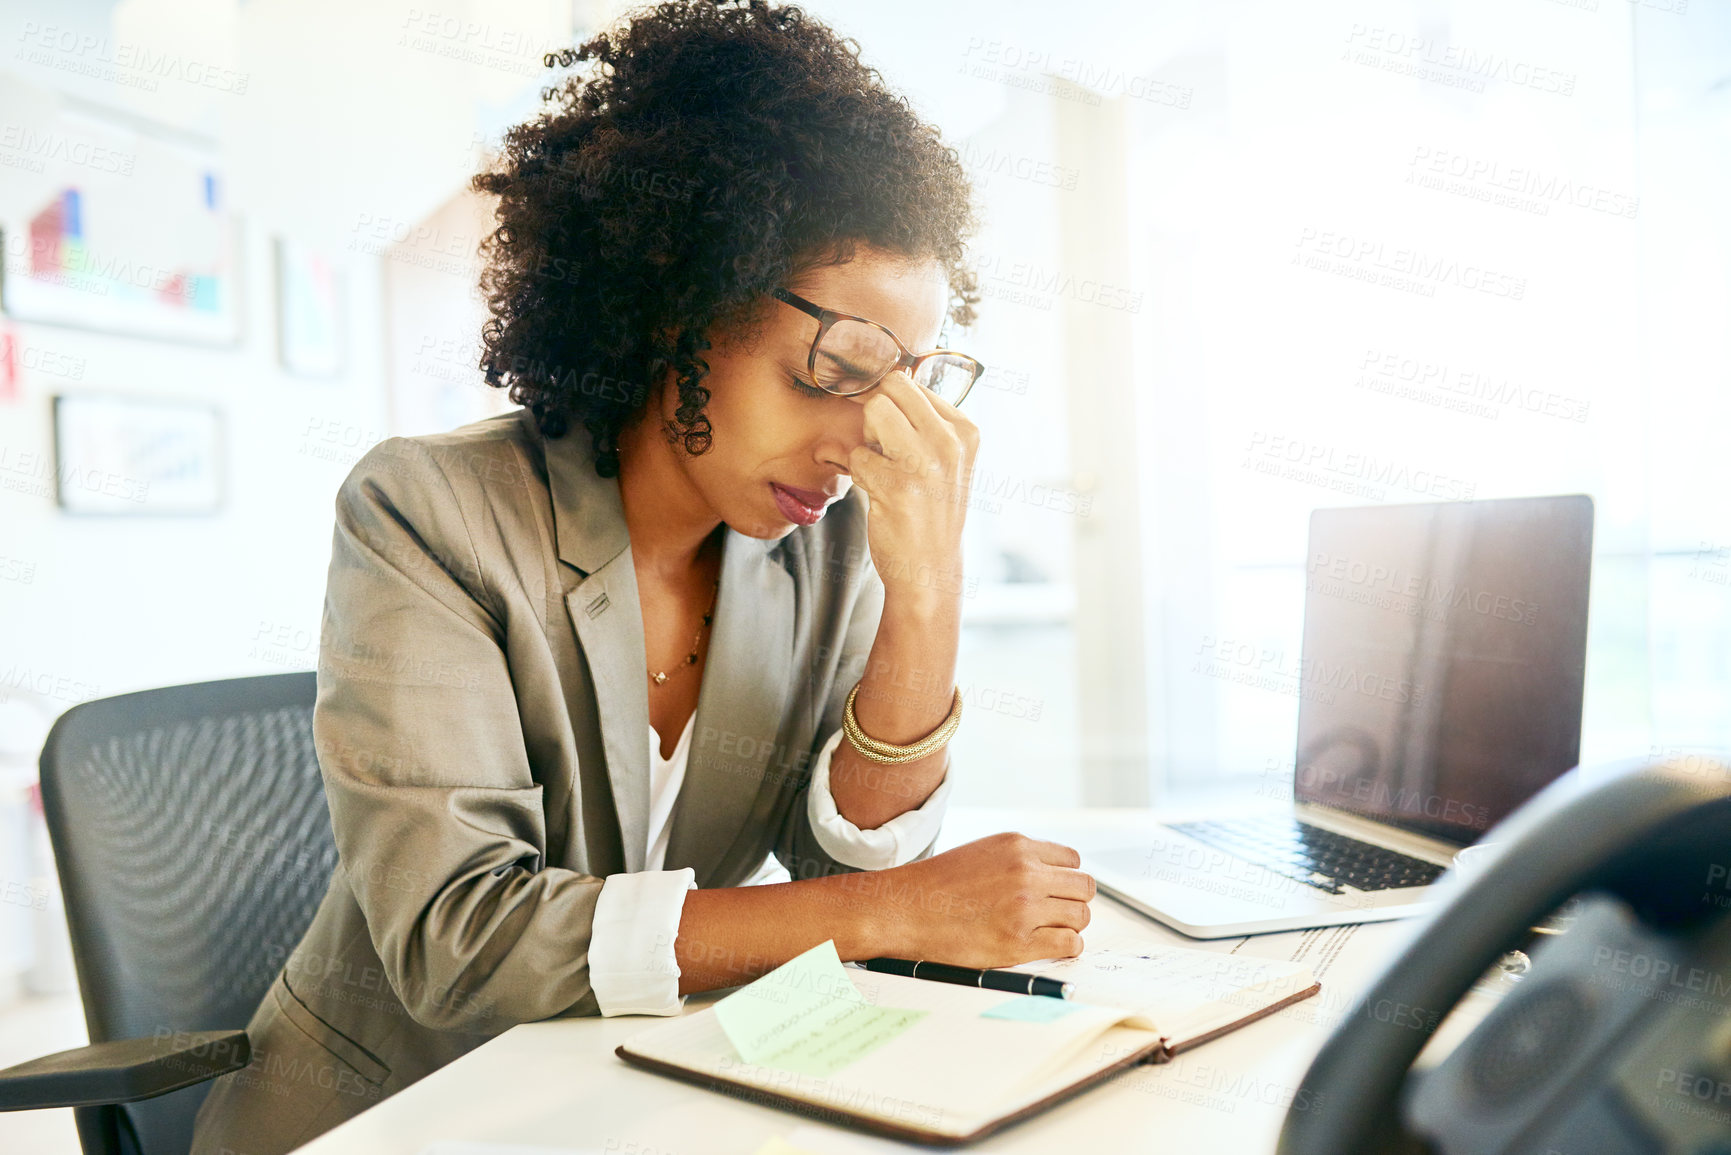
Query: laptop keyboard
x=1312, y=855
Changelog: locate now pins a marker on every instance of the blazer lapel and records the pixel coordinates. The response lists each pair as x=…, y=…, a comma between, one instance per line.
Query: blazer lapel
x=741, y=707
x=589, y=528
x=609, y=624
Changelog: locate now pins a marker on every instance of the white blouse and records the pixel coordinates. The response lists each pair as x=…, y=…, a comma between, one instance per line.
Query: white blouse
x=632, y=967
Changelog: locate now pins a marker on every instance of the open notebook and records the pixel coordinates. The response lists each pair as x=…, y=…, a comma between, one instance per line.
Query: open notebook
x=946, y=1064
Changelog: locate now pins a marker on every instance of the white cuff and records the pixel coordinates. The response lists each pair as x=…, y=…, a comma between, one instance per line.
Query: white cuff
x=897, y=841
x=632, y=967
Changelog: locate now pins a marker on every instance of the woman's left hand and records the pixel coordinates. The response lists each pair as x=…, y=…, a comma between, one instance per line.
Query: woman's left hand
x=916, y=466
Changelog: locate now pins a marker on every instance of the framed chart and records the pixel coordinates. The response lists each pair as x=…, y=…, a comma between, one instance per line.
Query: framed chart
x=118, y=230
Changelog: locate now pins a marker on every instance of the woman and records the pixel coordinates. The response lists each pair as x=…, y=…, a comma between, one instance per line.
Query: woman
x=587, y=664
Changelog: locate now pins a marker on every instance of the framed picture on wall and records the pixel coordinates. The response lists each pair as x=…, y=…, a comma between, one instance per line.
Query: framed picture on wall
x=120, y=454
x=309, y=310
x=121, y=230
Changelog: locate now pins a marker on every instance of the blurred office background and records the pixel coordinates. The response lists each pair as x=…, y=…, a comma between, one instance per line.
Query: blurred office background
x=1240, y=260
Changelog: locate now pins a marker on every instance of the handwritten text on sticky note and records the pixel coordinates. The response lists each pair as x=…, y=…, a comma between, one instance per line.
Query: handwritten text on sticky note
x=807, y=1016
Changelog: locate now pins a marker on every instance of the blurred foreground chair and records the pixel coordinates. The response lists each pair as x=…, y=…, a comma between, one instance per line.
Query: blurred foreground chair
x=193, y=845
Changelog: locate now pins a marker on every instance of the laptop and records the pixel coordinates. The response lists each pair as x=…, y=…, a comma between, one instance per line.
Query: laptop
x=1439, y=687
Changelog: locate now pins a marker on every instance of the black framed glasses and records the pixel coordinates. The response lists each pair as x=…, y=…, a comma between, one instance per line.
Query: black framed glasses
x=852, y=354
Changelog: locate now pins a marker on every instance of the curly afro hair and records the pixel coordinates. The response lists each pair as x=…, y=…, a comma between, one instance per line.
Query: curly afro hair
x=717, y=150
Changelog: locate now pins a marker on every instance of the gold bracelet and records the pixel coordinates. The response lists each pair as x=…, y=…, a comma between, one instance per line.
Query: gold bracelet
x=889, y=753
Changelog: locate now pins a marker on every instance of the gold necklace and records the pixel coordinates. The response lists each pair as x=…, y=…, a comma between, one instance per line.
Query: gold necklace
x=697, y=642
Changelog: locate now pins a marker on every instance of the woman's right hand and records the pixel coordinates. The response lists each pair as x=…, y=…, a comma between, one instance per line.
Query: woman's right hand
x=1002, y=900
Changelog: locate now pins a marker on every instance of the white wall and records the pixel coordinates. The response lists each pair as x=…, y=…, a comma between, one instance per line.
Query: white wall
x=335, y=124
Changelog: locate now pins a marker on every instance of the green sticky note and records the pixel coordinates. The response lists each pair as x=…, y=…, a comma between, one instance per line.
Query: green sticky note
x=807, y=1016
x=1031, y=1009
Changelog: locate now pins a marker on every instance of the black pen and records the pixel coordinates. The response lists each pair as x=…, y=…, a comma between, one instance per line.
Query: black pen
x=1015, y=982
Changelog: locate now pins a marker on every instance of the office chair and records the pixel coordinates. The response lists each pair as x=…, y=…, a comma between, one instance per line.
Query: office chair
x=193, y=845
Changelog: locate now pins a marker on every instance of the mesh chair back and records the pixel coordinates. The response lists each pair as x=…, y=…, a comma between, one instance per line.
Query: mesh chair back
x=193, y=845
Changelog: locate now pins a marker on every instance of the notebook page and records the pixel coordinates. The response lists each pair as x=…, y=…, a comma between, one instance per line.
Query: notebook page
x=1183, y=992
x=950, y=1072
x=1115, y=1044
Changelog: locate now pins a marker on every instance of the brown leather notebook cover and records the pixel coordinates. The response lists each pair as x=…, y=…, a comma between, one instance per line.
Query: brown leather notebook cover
x=1156, y=1052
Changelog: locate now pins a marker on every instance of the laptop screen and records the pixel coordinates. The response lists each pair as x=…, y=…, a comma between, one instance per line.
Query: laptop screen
x=1443, y=661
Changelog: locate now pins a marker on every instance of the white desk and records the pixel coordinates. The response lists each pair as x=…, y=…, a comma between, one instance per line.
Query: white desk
x=559, y=1084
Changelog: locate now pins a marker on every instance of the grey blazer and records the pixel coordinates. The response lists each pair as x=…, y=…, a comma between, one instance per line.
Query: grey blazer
x=482, y=728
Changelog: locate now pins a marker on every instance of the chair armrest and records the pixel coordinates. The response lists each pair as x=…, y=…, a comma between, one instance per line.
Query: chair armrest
x=122, y=1071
